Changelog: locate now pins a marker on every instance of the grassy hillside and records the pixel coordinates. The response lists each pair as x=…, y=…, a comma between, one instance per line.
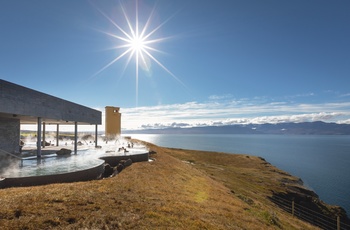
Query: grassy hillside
x=180, y=189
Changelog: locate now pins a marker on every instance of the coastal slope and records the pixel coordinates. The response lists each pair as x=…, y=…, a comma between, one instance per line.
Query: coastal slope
x=179, y=189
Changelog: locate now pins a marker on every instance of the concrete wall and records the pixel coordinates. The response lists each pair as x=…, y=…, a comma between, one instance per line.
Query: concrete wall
x=16, y=99
x=9, y=134
x=83, y=175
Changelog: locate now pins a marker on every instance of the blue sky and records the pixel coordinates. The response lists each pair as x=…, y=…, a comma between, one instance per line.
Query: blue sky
x=219, y=62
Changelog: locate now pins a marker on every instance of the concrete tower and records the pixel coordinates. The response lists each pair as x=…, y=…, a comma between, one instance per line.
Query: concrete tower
x=112, y=122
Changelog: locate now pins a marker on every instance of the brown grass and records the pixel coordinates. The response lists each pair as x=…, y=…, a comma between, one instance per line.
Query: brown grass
x=218, y=191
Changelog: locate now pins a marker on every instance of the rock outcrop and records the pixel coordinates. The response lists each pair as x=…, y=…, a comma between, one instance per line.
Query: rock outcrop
x=64, y=152
x=308, y=207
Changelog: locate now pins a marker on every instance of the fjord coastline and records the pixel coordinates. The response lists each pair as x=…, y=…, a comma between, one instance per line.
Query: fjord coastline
x=177, y=189
x=254, y=180
x=320, y=160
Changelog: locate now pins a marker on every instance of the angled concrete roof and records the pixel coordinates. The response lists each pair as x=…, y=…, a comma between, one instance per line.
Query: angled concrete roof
x=27, y=105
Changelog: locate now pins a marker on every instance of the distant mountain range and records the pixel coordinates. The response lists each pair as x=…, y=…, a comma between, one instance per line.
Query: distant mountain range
x=304, y=128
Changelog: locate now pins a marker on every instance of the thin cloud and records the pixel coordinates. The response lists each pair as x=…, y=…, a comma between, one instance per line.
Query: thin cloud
x=215, y=113
x=302, y=95
x=220, y=97
x=345, y=95
x=194, y=114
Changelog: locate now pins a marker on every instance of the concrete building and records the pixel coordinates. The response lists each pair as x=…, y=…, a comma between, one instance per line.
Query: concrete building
x=112, y=122
x=21, y=105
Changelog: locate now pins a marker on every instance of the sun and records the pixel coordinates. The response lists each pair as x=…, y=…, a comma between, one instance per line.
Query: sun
x=137, y=43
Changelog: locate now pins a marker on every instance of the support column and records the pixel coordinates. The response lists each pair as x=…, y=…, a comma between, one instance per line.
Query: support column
x=38, y=135
x=57, y=134
x=96, y=136
x=75, y=137
x=44, y=138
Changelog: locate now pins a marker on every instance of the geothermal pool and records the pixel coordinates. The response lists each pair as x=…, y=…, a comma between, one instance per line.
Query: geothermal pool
x=52, y=164
x=86, y=160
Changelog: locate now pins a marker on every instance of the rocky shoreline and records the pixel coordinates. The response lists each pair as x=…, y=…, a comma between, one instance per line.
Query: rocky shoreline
x=306, y=205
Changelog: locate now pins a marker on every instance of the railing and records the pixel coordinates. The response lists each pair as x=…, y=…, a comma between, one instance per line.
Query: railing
x=309, y=215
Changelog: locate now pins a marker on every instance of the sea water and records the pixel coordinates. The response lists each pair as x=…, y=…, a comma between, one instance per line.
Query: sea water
x=321, y=161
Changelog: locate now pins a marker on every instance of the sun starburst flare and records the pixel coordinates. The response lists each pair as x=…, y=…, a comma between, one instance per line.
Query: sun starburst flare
x=137, y=43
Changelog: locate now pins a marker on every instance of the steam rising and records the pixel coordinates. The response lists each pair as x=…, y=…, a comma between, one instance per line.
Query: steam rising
x=7, y=161
x=25, y=164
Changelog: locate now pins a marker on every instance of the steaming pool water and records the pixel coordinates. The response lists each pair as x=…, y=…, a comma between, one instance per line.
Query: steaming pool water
x=85, y=164
x=52, y=164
